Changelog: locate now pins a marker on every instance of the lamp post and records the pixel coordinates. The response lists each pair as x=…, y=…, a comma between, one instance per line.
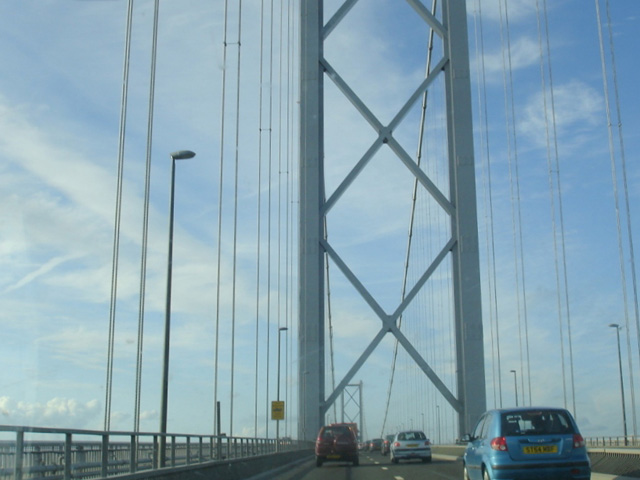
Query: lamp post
x=438, y=421
x=515, y=383
x=179, y=155
x=624, y=412
x=280, y=330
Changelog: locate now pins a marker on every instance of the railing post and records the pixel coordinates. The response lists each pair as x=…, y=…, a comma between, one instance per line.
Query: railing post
x=156, y=456
x=133, y=454
x=19, y=458
x=200, y=445
x=104, y=456
x=188, y=450
x=67, y=456
x=173, y=450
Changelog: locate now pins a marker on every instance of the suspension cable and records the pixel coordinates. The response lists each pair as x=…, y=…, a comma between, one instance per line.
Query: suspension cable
x=616, y=195
x=290, y=220
x=269, y=206
x=412, y=215
x=330, y=321
x=145, y=221
x=623, y=166
x=494, y=316
x=116, y=230
x=514, y=176
x=235, y=220
x=259, y=221
x=216, y=426
x=553, y=165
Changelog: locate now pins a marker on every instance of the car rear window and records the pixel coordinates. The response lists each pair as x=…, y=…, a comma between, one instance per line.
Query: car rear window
x=536, y=422
x=411, y=436
x=330, y=432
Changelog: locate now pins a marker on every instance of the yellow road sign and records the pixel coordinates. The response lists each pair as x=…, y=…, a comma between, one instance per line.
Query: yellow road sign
x=277, y=410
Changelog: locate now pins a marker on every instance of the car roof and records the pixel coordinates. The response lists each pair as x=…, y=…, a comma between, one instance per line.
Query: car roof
x=526, y=409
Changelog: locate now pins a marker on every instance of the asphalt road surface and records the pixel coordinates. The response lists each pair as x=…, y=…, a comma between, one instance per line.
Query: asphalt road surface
x=373, y=466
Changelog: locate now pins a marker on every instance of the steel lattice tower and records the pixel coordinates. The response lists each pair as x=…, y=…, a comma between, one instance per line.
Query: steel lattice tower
x=460, y=204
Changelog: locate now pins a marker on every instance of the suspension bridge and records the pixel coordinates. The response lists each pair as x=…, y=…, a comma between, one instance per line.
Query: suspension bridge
x=395, y=213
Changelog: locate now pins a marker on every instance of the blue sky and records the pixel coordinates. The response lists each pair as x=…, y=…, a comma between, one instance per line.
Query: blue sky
x=60, y=96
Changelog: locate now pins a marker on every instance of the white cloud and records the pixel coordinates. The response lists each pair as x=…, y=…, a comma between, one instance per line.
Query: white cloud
x=577, y=110
x=56, y=412
x=524, y=53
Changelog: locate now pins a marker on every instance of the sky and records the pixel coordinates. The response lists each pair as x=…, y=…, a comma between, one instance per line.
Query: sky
x=61, y=94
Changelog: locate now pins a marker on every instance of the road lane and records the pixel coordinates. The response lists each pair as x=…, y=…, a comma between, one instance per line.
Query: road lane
x=373, y=466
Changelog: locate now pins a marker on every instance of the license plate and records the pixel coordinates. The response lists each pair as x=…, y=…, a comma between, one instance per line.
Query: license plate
x=541, y=449
x=412, y=445
x=333, y=457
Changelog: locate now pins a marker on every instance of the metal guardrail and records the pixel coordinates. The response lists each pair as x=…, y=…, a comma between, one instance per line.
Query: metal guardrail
x=628, y=441
x=48, y=453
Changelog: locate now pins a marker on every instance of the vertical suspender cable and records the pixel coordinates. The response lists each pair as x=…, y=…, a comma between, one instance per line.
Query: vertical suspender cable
x=235, y=220
x=524, y=352
x=269, y=169
x=259, y=222
x=219, y=259
x=489, y=224
x=616, y=194
x=279, y=205
x=550, y=167
x=289, y=210
x=330, y=321
x=515, y=194
x=145, y=221
x=632, y=260
x=116, y=230
x=411, y=218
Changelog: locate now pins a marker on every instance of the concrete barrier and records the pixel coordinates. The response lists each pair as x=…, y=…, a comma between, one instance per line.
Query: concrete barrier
x=234, y=469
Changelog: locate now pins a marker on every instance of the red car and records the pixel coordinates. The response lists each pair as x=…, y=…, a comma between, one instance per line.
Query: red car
x=337, y=443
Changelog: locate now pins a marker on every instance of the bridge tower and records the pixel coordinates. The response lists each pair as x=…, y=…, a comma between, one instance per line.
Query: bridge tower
x=460, y=204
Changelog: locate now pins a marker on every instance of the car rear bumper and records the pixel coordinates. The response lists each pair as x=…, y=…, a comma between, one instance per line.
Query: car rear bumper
x=337, y=457
x=412, y=453
x=556, y=470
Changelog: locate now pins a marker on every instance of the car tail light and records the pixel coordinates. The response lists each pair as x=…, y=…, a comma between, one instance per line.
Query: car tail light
x=499, y=443
x=396, y=444
x=427, y=442
x=578, y=441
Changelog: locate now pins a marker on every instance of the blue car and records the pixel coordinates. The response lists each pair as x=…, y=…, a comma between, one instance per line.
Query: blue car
x=526, y=443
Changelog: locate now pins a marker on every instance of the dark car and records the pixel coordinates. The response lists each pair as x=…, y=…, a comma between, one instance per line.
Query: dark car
x=375, y=445
x=526, y=443
x=386, y=444
x=336, y=443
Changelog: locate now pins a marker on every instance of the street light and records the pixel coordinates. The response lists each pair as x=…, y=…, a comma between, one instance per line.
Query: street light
x=280, y=330
x=179, y=155
x=624, y=412
x=515, y=383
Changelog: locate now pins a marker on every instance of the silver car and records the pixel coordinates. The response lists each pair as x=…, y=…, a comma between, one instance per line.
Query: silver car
x=411, y=444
